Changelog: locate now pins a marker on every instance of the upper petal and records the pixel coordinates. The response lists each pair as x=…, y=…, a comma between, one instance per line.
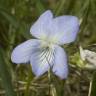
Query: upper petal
x=65, y=29
x=40, y=28
x=60, y=67
x=22, y=53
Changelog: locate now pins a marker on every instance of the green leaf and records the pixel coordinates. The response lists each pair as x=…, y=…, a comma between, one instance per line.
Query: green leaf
x=5, y=77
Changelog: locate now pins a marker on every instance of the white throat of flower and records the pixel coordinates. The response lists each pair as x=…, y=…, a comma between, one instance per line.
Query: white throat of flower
x=48, y=53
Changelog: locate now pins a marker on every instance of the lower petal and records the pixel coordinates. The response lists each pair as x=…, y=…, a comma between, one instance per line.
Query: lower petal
x=41, y=61
x=60, y=67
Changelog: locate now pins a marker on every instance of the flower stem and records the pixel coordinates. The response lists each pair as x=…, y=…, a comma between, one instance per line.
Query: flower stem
x=52, y=89
x=49, y=78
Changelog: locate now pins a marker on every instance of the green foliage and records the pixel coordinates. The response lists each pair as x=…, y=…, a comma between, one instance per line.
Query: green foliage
x=16, y=17
x=5, y=77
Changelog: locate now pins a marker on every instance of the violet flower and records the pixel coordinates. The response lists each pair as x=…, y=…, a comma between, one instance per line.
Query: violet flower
x=45, y=52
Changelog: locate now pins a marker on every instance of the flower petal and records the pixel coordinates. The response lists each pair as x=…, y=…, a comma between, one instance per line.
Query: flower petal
x=65, y=29
x=60, y=67
x=41, y=60
x=22, y=53
x=40, y=28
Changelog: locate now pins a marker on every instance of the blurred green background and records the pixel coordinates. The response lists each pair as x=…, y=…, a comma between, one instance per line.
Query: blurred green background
x=16, y=18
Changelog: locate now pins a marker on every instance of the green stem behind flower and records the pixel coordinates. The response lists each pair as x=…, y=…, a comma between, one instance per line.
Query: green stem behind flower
x=52, y=89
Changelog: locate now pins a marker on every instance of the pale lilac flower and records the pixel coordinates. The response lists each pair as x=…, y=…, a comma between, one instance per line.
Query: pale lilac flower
x=45, y=52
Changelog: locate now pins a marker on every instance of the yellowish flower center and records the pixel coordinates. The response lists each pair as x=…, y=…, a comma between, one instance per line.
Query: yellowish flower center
x=49, y=41
x=46, y=44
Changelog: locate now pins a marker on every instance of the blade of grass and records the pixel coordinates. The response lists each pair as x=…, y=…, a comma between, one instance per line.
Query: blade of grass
x=27, y=91
x=92, y=88
x=40, y=7
x=10, y=18
x=59, y=7
x=5, y=77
